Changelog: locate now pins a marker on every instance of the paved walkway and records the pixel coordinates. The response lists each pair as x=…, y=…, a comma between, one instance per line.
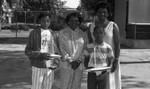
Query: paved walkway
x=15, y=68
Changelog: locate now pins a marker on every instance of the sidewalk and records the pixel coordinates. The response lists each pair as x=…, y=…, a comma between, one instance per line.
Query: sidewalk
x=135, y=68
x=16, y=71
x=131, y=56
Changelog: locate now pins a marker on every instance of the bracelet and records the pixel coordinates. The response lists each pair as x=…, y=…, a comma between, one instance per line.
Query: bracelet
x=116, y=60
x=78, y=61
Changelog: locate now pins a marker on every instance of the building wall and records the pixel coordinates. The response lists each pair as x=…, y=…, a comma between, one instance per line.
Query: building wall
x=120, y=16
x=138, y=13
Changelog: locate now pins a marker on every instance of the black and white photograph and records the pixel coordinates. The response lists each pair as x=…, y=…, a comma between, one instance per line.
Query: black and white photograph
x=74, y=44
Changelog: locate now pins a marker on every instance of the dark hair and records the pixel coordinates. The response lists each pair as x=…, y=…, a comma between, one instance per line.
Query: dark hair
x=40, y=16
x=103, y=4
x=96, y=28
x=76, y=14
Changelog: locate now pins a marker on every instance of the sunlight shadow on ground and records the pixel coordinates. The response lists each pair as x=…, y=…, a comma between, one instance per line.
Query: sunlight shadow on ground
x=129, y=83
x=15, y=70
x=23, y=85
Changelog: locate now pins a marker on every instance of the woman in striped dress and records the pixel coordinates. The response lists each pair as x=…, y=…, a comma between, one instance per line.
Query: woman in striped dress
x=39, y=47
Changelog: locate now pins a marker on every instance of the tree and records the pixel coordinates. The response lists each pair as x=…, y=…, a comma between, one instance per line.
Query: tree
x=89, y=5
x=43, y=5
x=53, y=7
x=37, y=5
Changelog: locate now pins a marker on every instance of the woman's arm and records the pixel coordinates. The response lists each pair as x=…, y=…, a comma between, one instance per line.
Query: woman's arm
x=110, y=56
x=29, y=47
x=56, y=43
x=116, y=34
x=62, y=46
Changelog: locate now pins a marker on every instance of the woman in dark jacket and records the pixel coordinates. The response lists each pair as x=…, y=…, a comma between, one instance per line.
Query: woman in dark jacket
x=39, y=48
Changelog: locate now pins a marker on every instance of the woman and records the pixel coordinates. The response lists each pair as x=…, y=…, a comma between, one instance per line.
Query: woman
x=111, y=37
x=72, y=41
x=39, y=47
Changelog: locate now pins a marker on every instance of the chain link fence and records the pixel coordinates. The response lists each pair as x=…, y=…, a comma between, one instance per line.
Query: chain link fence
x=23, y=22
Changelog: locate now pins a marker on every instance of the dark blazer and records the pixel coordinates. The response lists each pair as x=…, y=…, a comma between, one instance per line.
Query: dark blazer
x=34, y=44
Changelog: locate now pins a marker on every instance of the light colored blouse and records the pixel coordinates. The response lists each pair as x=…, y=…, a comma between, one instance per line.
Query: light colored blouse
x=72, y=43
x=47, y=41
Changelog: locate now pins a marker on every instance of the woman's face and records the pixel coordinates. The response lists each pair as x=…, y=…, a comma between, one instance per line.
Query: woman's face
x=73, y=22
x=45, y=22
x=102, y=13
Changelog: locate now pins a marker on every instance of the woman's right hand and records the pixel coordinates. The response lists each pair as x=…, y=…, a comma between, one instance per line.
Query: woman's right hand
x=68, y=58
x=90, y=67
x=45, y=56
x=34, y=54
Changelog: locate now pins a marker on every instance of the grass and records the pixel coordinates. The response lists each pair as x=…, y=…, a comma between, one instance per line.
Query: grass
x=9, y=34
x=9, y=37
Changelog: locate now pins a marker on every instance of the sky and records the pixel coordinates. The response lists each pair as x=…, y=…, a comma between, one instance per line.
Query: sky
x=72, y=3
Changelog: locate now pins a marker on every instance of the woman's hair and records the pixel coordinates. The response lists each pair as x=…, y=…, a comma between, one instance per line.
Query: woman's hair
x=40, y=16
x=75, y=14
x=103, y=4
x=97, y=28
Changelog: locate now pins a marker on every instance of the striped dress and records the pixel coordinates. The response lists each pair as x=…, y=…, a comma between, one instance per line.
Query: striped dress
x=42, y=78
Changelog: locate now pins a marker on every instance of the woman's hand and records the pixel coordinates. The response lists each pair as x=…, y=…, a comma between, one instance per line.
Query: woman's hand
x=68, y=58
x=90, y=67
x=33, y=54
x=75, y=64
x=114, y=65
x=45, y=56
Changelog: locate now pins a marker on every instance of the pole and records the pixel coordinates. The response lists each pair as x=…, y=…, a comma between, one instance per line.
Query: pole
x=25, y=21
x=16, y=25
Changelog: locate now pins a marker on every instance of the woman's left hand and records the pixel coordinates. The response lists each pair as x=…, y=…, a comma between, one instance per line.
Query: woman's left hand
x=75, y=64
x=115, y=65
